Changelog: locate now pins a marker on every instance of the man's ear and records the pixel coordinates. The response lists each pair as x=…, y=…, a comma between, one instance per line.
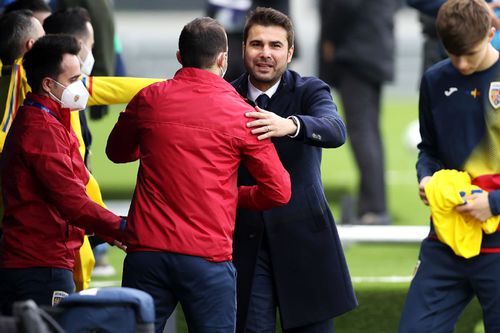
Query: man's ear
x=491, y=33
x=29, y=44
x=221, y=59
x=45, y=85
x=178, y=56
x=290, y=54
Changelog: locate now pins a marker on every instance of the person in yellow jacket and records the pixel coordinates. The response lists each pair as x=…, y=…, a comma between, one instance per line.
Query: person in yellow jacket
x=18, y=31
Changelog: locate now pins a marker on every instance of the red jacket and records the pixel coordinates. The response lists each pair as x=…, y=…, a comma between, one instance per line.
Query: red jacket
x=190, y=135
x=43, y=186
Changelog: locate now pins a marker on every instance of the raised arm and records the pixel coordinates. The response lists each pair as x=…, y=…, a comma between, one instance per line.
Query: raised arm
x=108, y=90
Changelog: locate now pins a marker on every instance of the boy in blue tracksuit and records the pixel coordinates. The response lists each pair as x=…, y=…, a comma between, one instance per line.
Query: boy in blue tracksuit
x=459, y=113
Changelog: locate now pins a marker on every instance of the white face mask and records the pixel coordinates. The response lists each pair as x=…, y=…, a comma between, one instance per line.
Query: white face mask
x=74, y=96
x=87, y=64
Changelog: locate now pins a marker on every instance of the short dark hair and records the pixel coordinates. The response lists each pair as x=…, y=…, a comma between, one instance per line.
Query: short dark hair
x=15, y=28
x=71, y=21
x=33, y=5
x=462, y=24
x=45, y=57
x=200, y=42
x=269, y=17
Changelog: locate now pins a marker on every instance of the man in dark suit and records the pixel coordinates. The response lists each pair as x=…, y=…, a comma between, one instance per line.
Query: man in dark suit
x=290, y=257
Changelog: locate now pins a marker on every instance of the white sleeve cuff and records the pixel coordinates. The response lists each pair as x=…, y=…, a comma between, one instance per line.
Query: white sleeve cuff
x=297, y=123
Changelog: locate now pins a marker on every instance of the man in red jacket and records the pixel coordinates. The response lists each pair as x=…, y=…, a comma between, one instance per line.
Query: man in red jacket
x=190, y=136
x=43, y=182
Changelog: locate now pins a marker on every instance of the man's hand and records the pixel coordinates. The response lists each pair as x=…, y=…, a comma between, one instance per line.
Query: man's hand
x=476, y=206
x=120, y=245
x=268, y=124
x=421, y=189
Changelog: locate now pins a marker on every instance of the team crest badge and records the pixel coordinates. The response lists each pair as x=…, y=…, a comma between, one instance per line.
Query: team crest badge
x=494, y=94
x=57, y=296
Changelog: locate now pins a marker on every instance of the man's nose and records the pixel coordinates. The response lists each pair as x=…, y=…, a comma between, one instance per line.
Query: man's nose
x=265, y=51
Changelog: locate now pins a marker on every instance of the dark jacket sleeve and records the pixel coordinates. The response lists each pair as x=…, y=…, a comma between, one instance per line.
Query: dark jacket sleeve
x=428, y=7
x=321, y=124
x=123, y=142
x=494, y=200
x=273, y=186
x=52, y=164
x=428, y=161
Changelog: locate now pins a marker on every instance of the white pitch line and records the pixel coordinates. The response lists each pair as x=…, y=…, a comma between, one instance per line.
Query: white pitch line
x=104, y=284
x=381, y=279
x=355, y=279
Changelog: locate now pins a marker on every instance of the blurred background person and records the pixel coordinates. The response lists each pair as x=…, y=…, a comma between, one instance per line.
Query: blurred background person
x=102, y=17
x=40, y=8
x=356, y=58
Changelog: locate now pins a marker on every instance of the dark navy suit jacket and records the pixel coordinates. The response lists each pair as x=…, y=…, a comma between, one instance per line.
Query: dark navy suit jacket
x=310, y=273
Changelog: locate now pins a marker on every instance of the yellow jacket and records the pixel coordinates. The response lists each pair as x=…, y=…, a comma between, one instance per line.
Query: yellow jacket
x=463, y=234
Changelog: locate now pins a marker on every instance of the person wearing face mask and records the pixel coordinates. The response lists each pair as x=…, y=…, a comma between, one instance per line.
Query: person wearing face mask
x=18, y=31
x=47, y=209
x=76, y=22
x=190, y=136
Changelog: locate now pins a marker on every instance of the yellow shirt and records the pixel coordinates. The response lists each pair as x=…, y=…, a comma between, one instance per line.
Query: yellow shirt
x=462, y=233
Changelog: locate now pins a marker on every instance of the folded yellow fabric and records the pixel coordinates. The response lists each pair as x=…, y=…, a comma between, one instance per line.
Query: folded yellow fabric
x=463, y=234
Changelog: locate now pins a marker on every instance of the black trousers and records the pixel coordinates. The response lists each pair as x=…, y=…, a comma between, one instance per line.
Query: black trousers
x=361, y=104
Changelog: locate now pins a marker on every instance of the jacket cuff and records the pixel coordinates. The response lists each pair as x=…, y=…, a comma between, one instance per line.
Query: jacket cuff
x=123, y=223
x=494, y=200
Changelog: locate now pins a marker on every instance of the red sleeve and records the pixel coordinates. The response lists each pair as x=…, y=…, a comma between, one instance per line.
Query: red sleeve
x=123, y=142
x=50, y=160
x=273, y=181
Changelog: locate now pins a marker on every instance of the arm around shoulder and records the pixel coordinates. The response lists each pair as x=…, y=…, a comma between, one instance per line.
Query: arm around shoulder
x=273, y=186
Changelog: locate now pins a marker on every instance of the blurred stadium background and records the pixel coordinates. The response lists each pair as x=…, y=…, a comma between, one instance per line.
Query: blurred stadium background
x=381, y=272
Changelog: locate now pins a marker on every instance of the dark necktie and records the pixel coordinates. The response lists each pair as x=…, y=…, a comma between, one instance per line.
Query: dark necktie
x=262, y=101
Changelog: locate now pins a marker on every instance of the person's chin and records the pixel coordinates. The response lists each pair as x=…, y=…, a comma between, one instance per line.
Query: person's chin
x=467, y=71
x=263, y=76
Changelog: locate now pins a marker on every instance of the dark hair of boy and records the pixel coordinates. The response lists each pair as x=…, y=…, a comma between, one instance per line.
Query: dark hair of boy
x=459, y=38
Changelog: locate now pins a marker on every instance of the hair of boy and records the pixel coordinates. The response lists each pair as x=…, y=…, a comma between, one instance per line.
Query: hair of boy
x=45, y=57
x=462, y=24
x=269, y=17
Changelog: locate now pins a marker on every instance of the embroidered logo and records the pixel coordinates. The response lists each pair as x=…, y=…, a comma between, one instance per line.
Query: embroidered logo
x=450, y=91
x=494, y=94
x=475, y=93
x=57, y=296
